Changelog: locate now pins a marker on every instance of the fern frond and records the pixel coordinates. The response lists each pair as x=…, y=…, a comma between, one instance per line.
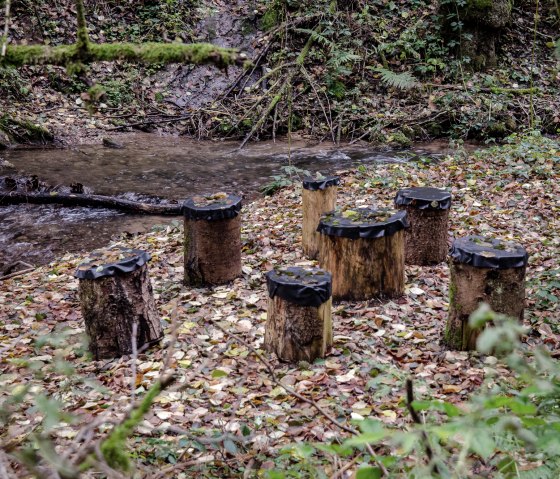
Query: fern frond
x=558, y=49
x=340, y=57
x=403, y=81
x=317, y=37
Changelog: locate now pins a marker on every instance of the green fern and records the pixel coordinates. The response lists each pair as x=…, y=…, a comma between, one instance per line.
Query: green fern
x=403, y=81
x=317, y=37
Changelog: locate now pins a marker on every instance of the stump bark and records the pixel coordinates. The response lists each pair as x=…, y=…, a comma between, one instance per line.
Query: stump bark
x=299, y=317
x=318, y=198
x=114, y=296
x=427, y=212
x=212, y=240
x=364, y=253
x=483, y=270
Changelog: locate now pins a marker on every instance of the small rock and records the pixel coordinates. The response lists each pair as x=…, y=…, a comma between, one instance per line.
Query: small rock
x=109, y=143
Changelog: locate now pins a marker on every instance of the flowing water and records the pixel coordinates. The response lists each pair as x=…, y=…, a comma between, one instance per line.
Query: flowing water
x=151, y=166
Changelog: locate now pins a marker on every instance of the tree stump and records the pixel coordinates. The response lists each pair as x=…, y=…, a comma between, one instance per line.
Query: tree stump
x=363, y=249
x=427, y=212
x=212, y=239
x=115, y=292
x=299, y=318
x=483, y=270
x=318, y=197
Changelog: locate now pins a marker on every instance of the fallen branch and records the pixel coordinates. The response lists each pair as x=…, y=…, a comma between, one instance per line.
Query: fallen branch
x=194, y=53
x=21, y=272
x=95, y=201
x=276, y=98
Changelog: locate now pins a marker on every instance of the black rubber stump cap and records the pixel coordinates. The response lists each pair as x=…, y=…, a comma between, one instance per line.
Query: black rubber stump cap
x=302, y=286
x=218, y=206
x=483, y=252
x=314, y=184
x=112, y=262
x=422, y=198
x=362, y=223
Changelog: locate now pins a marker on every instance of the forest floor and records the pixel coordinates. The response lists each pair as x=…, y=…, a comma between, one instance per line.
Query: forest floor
x=222, y=387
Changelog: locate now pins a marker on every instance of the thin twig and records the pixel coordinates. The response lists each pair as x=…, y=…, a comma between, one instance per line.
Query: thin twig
x=417, y=420
x=134, y=359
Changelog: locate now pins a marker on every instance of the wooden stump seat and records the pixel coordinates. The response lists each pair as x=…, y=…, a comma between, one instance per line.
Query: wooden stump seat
x=212, y=239
x=299, y=318
x=318, y=198
x=427, y=211
x=363, y=249
x=483, y=270
x=115, y=292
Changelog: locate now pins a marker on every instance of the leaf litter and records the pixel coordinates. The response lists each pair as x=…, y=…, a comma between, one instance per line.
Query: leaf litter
x=224, y=393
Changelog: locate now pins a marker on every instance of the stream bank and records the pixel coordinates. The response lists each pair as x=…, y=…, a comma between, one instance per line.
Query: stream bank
x=151, y=167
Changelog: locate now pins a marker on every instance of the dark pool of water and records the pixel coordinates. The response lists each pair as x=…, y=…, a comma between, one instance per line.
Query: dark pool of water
x=166, y=167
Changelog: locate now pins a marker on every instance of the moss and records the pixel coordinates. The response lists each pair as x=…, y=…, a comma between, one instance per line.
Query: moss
x=24, y=131
x=197, y=53
x=270, y=19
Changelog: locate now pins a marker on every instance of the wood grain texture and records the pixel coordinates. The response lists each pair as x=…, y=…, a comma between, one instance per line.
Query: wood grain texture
x=110, y=305
x=298, y=333
x=364, y=268
x=212, y=251
x=315, y=204
x=502, y=289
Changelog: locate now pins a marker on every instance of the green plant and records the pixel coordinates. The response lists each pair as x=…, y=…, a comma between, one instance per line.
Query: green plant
x=508, y=430
x=286, y=178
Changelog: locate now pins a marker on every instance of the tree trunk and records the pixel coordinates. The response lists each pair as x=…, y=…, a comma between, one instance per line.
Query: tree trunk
x=426, y=239
x=364, y=268
x=299, y=318
x=96, y=201
x=111, y=305
x=502, y=289
x=485, y=270
x=482, y=23
x=316, y=201
x=298, y=333
x=212, y=251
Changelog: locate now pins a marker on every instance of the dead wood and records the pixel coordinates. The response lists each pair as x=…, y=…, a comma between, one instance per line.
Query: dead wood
x=94, y=201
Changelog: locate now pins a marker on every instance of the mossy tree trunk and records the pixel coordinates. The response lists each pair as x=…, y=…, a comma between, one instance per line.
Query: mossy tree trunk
x=83, y=51
x=482, y=23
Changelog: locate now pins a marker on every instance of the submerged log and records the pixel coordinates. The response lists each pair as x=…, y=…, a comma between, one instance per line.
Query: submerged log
x=115, y=294
x=427, y=212
x=93, y=201
x=318, y=198
x=212, y=239
x=364, y=251
x=483, y=270
x=299, y=317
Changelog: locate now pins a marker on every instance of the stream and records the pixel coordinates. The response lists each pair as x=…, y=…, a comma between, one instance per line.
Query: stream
x=151, y=167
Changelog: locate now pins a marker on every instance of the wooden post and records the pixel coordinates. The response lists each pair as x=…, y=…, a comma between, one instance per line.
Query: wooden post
x=212, y=239
x=483, y=270
x=318, y=198
x=363, y=249
x=427, y=211
x=299, y=318
x=115, y=292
